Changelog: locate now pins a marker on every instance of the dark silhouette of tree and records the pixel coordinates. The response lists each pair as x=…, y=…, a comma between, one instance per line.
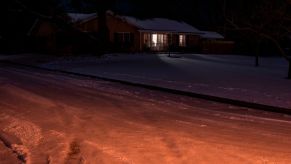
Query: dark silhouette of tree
x=100, y=7
x=264, y=20
x=17, y=18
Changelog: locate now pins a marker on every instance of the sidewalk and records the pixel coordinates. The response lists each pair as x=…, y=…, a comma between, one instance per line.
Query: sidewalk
x=225, y=76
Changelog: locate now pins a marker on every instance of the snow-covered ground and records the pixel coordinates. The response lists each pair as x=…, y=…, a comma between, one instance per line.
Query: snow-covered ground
x=228, y=76
x=53, y=118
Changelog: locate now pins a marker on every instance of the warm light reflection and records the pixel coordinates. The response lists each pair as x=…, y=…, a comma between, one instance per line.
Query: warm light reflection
x=155, y=39
x=182, y=40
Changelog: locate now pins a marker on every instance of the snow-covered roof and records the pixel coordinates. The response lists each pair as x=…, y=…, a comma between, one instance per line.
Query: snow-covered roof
x=81, y=17
x=154, y=24
x=161, y=24
x=211, y=35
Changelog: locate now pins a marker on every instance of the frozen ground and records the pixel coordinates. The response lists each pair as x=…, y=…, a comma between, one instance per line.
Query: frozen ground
x=228, y=76
x=52, y=118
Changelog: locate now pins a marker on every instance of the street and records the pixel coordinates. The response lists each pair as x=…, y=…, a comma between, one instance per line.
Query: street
x=48, y=117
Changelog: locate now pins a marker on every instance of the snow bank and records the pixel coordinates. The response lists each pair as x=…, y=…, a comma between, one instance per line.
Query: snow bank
x=226, y=76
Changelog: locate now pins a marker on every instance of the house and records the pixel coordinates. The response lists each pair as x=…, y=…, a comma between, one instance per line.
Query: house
x=61, y=36
x=157, y=34
x=125, y=33
x=136, y=35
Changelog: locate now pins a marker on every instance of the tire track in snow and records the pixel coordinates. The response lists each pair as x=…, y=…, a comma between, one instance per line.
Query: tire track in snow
x=110, y=151
x=74, y=154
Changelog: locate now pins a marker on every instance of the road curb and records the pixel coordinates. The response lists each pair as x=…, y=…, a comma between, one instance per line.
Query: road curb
x=234, y=102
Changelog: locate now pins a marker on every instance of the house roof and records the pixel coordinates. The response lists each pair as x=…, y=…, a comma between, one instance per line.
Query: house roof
x=211, y=35
x=161, y=24
x=81, y=17
x=154, y=24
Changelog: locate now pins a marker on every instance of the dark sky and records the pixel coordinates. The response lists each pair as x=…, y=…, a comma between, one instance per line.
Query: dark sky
x=202, y=12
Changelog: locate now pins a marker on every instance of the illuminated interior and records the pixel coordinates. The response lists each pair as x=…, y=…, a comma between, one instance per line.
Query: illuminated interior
x=154, y=39
x=182, y=40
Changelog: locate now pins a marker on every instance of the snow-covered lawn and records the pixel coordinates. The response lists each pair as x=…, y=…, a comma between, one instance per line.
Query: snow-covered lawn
x=228, y=76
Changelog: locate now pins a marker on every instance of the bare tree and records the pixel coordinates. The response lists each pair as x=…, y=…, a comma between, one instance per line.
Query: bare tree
x=101, y=7
x=268, y=20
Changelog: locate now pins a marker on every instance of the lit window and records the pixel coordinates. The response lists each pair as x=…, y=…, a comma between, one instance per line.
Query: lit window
x=182, y=40
x=155, y=39
x=159, y=40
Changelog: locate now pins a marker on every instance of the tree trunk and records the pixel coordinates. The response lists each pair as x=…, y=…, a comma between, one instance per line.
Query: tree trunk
x=257, y=53
x=289, y=70
x=103, y=31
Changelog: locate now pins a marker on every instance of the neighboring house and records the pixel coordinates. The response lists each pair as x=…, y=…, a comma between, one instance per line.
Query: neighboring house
x=44, y=34
x=85, y=22
x=61, y=37
x=213, y=42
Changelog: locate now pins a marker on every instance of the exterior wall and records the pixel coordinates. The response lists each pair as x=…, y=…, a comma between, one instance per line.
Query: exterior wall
x=174, y=40
x=48, y=38
x=192, y=40
x=44, y=29
x=88, y=26
x=116, y=25
x=217, y=46
x=44, y=35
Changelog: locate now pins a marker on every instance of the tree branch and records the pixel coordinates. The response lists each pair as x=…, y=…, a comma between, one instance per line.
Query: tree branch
x=263, y=35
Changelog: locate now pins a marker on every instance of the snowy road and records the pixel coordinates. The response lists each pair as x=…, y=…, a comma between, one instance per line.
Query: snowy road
x=54, y=118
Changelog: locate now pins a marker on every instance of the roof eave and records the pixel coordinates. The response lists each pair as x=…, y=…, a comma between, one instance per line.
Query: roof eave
x=168, y=31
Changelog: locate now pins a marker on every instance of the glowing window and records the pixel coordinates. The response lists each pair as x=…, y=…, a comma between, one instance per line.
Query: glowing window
x=155, y=39
x=182, y=40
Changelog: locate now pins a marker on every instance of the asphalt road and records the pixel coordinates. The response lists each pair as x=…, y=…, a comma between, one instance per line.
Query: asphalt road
x=55, y=118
